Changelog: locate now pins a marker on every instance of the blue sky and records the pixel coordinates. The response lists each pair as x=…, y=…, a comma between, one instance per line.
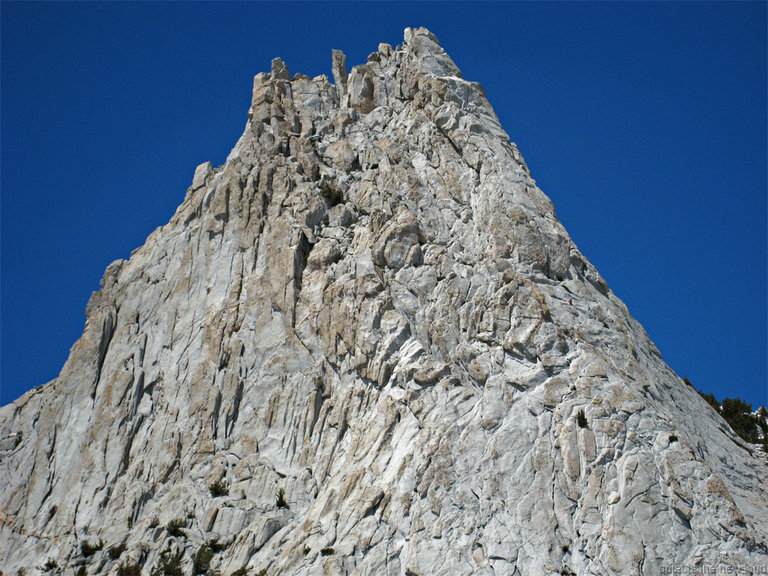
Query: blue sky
x=645, y=123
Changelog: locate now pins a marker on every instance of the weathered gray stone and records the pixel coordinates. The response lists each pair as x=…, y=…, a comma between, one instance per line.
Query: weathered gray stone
x=360, y=86
x=280, y=70
x=339, y=71
x=341, y=155
x=202, y=173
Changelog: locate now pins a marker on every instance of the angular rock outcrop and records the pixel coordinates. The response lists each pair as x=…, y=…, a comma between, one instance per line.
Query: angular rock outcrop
x=366, y=345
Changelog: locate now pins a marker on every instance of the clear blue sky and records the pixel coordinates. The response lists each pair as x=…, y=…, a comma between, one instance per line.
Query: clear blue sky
x=644, y=122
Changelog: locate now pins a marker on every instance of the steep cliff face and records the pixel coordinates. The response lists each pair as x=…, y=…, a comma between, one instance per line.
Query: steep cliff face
x=366, y=345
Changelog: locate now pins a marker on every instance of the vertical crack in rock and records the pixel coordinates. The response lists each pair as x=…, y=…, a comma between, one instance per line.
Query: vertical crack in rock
x=215, y=414
x=300, y=255
x=107, y=332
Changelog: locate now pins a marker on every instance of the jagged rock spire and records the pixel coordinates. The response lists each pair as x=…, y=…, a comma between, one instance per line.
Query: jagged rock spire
x=366, y=345
x=339, y=67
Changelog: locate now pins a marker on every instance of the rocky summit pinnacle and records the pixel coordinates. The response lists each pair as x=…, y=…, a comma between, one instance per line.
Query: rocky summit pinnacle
x=366, y=345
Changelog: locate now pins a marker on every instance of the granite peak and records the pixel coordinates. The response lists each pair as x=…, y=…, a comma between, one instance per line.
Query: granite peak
x=366, y=345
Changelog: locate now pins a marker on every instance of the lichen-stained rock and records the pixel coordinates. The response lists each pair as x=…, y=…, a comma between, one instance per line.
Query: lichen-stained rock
x=366, y=345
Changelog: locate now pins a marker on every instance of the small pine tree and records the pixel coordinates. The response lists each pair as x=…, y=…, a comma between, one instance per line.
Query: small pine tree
x=217, y=546
x=201, y=561
x=218, y=488
x=711, y=400
x=129, y=570
x=116, y=550
x=738, y=414
x=281, y=503
x=174, y=527
x=169, y=564
x=89, y=549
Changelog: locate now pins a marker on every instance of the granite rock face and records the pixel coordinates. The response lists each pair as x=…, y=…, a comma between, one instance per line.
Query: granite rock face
x=366, y=345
